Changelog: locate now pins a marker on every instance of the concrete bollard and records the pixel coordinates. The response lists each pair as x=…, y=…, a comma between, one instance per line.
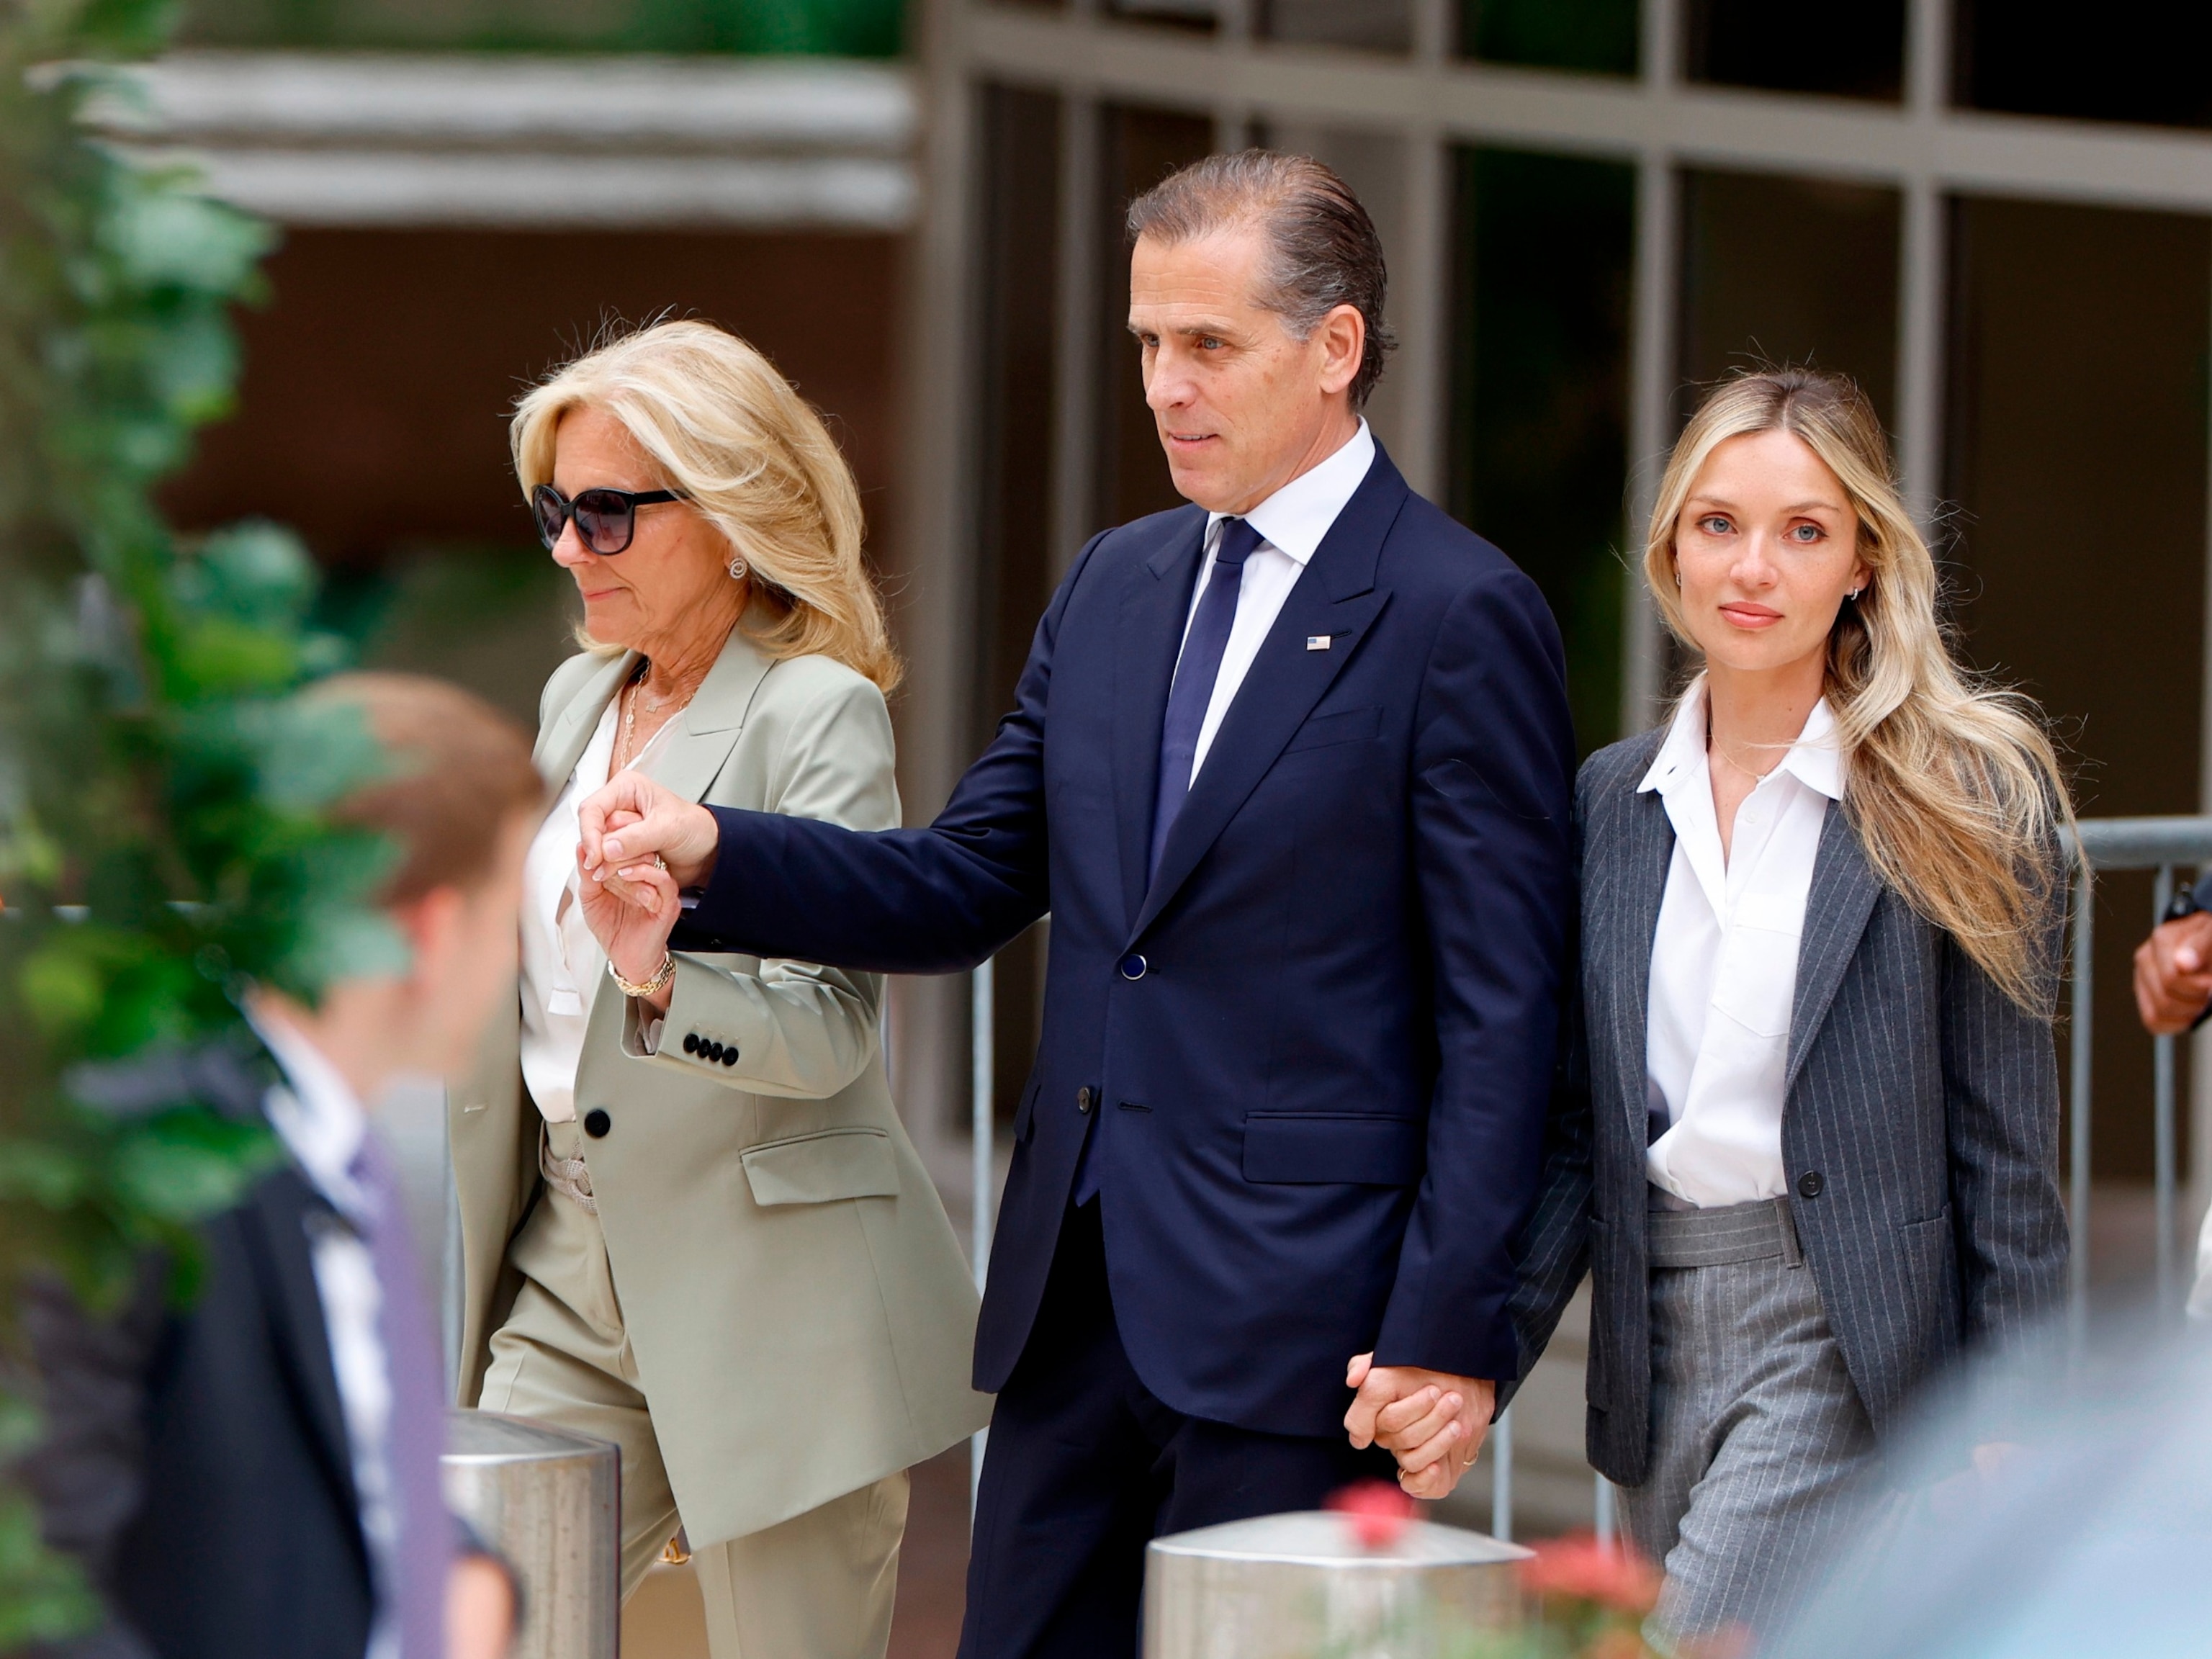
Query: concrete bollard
x=550, y=1501
x=1295, y=1586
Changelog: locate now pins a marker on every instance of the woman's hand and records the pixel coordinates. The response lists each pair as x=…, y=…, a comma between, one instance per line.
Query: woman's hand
x=632, y=928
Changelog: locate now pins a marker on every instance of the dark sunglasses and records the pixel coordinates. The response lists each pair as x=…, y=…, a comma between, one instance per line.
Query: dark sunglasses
x=605, y=519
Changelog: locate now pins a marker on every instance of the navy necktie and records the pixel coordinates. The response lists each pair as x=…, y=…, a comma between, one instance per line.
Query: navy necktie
x=415, y=1440
x=1195, y=673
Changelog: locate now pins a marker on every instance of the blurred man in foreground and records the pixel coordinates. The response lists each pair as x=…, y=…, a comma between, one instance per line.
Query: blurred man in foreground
x=256, y=1473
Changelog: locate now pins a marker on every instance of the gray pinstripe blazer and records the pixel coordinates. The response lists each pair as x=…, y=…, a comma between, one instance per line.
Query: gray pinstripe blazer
x=1920, y=1127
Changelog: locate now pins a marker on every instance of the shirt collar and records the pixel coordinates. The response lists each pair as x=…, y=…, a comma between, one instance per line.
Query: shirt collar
x=316, y=1113
x=1294, y=520
x=1813, y=760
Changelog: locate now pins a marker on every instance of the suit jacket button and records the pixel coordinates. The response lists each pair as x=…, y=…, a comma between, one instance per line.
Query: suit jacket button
x=1132, y=966
x=690, y=1043
x=597, y=1123
x=730, y=1055
x=711, y=1049
x=1809, y=1184
x=1083, y=1100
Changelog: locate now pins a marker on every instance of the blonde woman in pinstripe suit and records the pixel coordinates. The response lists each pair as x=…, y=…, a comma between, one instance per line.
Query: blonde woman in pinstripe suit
x=1808, y=1145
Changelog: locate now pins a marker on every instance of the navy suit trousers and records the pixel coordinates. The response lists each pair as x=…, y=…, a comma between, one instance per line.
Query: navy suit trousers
x=1086, y=1465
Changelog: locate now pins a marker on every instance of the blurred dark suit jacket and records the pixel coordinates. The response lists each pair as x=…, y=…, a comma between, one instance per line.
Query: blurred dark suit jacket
x=196, y=1460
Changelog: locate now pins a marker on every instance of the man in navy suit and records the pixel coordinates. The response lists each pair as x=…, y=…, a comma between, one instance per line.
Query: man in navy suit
x=1291, y=768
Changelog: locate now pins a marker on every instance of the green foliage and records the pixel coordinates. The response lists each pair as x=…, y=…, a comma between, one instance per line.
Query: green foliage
x=841, y=29
x=163, y=840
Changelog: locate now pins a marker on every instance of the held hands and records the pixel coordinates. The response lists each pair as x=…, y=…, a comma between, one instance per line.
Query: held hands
x=624, y=825
x=632, y=924
x=2173, y=974
x=1432, y=1422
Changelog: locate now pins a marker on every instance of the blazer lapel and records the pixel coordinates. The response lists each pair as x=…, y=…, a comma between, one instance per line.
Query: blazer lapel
x=1627, y=900
x=1844, y=888
x=693, y=755
x=1147, y=639
x=284, y=1263
x=561, y=743
x=1335, y=596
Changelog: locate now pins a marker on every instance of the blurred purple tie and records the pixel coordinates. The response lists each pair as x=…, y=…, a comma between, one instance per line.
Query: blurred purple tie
x=417, y=1437
x=1195, y=673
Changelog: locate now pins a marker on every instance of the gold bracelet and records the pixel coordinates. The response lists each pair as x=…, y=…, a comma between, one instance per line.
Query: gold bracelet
x=649, y=987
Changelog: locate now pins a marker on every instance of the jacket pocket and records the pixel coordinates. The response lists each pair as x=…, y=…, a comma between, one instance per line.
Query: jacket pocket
x=1340, y=1148
x=1351, y=726
x=823, y=1167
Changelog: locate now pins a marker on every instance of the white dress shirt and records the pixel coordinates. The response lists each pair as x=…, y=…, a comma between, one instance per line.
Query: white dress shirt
x=562, y=962
x=322, y=1125
x=1292, y=523
x=1724, y=960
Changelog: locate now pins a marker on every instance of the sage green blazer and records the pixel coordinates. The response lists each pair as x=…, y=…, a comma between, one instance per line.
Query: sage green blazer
x=800, y=1312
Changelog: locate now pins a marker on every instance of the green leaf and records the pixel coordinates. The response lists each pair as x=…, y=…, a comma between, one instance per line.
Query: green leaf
x=62, y=985
x=186, y=1166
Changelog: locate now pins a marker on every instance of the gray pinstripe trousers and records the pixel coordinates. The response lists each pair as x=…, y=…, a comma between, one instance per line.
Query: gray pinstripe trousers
x=1756, y=1431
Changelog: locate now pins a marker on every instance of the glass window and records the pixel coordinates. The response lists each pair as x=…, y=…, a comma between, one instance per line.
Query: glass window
x=1376, y=24
x=1543, y=251
x=2133, y=60
x=2077, y=453
x=1141, y=147
x=1202, y=15
x=1598, y=36
x=1853, y=48
x=1793, y=271
x=1018, y=208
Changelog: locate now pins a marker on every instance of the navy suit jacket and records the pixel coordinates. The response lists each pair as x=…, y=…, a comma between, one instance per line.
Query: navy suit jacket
x=1316, y=1047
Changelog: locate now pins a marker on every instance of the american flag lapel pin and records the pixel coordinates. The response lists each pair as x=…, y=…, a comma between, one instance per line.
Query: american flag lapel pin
x=1317, y=642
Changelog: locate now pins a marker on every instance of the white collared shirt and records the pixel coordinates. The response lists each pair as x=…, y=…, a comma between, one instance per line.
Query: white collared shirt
x=322, y=1125
x=1292, y=523
x=1724, y=960
x=561, y=964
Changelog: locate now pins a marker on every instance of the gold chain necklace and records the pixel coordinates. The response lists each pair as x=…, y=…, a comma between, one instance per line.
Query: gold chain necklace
x=633, y=693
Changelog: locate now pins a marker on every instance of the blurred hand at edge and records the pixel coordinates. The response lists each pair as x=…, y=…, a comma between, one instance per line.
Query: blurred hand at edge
x=682, y=831
x=480, y=1609
x=2173, y=975
x=1433, y=1423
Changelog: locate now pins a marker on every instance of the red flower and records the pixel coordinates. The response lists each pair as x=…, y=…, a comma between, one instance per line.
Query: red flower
x=1579, y=1566
x=1377, y=1511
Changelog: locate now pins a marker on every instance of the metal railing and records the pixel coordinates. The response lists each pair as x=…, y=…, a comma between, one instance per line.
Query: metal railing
x=2158, y=844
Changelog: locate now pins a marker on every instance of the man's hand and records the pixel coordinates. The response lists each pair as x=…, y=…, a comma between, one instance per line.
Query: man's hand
x=682, y=831
x=2173, y=974
x=1432, y=1422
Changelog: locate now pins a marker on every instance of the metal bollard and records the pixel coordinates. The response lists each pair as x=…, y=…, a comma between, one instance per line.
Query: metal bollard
x=1291, y=1586
x=550, y=1501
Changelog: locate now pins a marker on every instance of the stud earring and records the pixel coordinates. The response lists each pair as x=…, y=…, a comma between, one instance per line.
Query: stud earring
x=738, y=569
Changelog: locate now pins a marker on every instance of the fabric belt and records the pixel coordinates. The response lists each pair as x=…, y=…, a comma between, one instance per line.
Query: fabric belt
x=1718, y=1237
x=566, y=1175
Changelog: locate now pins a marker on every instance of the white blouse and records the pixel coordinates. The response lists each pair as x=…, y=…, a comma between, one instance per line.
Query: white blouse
x=562, y=966
x=1724, y=961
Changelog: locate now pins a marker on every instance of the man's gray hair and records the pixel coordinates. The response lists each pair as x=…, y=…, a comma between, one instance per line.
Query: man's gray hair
x=1323, y=249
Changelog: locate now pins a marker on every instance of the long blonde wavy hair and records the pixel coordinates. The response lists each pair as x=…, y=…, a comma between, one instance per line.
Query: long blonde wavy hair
x=1951, y=785
x=729, y=433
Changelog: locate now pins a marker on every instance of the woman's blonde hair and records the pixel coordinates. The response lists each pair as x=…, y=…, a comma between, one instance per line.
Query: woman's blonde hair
x=754, y=460
x=1951, y=785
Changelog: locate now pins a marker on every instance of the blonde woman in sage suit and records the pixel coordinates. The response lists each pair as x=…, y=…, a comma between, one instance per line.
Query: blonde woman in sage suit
x=692, y=1223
